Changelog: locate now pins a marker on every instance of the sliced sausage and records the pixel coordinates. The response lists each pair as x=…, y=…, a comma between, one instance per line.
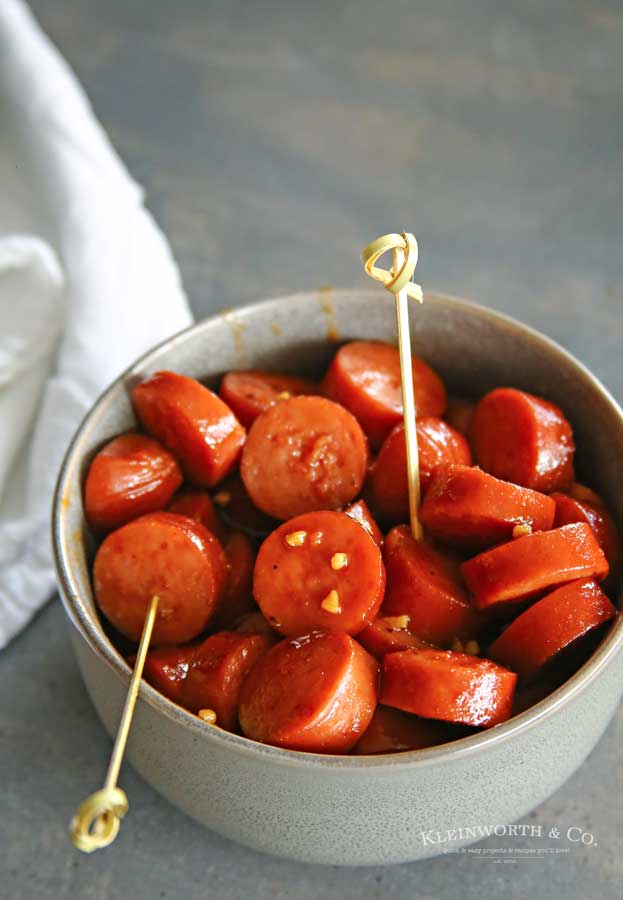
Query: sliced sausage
x=130, y=476
x=315, y=693
x=238, y=511
x=197, y=505
x=217, y=673
x=595, y=514
x=164, y=554
x=553, y=624
x=524, y=439
x=424, y=584
x=249, y=393
x=438, y=443
x=530, y=565
x=320, y=571
x=192, y=422
x=255, y=623
x=364, y=376
x=360, y=512
x=459, y=414
x=237, y=600
x=453, y=687
x=468, y=508
x=166, y=669
x=393, y=731
x=388, y=634
x=304, y=454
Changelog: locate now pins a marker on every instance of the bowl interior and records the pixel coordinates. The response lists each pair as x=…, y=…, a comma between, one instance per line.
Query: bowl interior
x=473, y=348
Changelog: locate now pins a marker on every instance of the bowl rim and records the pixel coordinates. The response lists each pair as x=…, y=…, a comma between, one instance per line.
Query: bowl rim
x=91, y=631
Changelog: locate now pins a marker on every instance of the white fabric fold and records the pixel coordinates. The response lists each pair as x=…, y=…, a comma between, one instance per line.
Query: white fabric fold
x=87, y=283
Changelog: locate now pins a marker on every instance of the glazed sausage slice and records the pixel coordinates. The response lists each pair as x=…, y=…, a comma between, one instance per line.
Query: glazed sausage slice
x=552, y=625
x=320, y=571
x=249, y=393
x=467, y=508
x=530, y=565
x=130, y=476
x=217, y=673
x=524, y=439
x=424, y=584
x=595, y=514
x=360, y=513
x=459, y=414
x=364, y=376
x=315, y=693
x=393, y=731
x=198, y=506
x=237, y=600
x=164, y=554
x=453, y=687
x=192, y=422
x=438, y=443
x=387, y=634
x=238, y=512
x=166, y=669
x=304, y=454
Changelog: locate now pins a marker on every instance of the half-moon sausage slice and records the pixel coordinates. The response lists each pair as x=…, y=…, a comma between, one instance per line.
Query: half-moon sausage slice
x=387, y=634
x=249, y=393
x=393, y=731
x=453, y=687
x=524, y=439
x=364, y=376
x=552, y=625
x=304, y=454
x=360, y=512
x=164, y=554
x=192, y=422
x=217, y=673
x=468, y=508
x=530, y=565
x=424, y=583
x=438, y=443
x=197, y=505
x=321, y=571
x=166, y=669
x=595, y=514
x=315, y=693
x=130, y=476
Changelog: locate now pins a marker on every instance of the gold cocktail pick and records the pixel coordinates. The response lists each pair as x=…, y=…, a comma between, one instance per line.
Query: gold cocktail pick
x=397, y=280
x=97, y=819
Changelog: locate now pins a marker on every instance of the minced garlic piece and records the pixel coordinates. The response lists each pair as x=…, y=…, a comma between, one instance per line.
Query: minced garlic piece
x=472, y=647
x=339, y=561
x=457, y=646
x=208, y=715
x=284, y=395
x=222, y=498
x=331, y=603
x=521, y=530
x=399, y=622
x=296, y=538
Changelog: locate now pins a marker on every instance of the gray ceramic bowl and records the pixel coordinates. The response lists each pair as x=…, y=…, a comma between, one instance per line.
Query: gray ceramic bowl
x=351, y=810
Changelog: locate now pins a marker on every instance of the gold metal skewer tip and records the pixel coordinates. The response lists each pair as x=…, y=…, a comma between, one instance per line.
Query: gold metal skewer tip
x=97, y=819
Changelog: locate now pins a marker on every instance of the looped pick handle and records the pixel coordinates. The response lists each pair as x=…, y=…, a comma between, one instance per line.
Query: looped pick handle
x=399, y=280
x=96, y=822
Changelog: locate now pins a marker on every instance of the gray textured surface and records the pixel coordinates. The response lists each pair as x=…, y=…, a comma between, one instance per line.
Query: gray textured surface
x=276, y=139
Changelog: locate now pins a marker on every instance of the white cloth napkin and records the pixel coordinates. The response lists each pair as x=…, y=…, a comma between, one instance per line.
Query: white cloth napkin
x=87, y=283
